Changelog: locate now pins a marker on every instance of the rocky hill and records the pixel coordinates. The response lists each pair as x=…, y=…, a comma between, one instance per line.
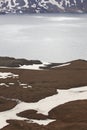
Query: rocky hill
x=25, y=63
x=43, y=6
x=12, y=62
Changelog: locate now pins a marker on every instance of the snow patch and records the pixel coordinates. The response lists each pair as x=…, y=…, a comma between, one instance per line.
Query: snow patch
x=53, y=2
x=61, y=65
x=21, y=84
x=27, y=86
x=24, y=85
x=3, y=84
x=41, y=122
x=34, y=66
x=4, y=75
x=11, y=83
x=26, y=3
x=44, y=106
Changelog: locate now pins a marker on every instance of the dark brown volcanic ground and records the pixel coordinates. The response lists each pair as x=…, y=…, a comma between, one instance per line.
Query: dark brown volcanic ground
x=70, y=116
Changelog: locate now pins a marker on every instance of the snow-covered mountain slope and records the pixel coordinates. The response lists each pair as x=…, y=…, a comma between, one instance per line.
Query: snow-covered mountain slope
x=42, y=6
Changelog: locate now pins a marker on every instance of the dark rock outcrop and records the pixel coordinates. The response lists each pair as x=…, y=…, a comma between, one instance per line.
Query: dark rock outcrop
x=43, y=6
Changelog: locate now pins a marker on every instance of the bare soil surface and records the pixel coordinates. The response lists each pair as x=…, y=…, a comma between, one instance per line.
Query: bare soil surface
x=6, y=104
x=70, y=116
x=44, y=83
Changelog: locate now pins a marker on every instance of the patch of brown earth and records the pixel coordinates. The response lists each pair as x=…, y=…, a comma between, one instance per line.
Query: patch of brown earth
x=69, y=116
x=32, y=114
x=75, y=111
x=44, y=82
x=22, y=125
x=6, y=104
x=71, y=112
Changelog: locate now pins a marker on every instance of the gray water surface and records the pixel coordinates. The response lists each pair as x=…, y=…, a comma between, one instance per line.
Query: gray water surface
x=52, y=38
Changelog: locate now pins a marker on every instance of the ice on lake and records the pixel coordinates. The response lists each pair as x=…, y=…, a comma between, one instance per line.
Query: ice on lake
x=51, y=38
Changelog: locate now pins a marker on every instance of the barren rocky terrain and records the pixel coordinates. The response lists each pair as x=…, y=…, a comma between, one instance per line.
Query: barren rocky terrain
x=43, y=6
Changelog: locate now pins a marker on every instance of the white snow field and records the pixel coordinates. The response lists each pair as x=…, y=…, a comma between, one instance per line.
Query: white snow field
x=34, y=66
x=43, y=106
x=66, y=64
x=37, y=66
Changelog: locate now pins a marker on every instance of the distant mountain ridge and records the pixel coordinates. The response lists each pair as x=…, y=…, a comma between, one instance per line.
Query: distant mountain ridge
x=43, y=6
